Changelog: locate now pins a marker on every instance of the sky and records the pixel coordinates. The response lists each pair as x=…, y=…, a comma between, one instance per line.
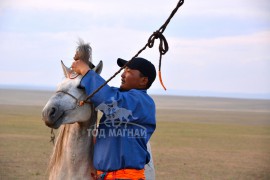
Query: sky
x=215, y=47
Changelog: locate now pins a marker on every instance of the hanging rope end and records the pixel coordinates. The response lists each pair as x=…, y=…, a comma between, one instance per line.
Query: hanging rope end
x=160, y=80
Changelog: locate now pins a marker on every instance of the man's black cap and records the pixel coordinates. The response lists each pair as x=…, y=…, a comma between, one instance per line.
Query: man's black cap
x=143, y=65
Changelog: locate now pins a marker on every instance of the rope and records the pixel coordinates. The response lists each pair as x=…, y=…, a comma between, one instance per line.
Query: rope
x=163, y=49
x=52, y=136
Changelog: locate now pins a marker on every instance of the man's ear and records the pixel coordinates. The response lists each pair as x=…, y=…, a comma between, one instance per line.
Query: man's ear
x=144, y=81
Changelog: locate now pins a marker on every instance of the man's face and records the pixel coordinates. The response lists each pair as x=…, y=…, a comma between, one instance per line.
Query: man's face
x=132, y=79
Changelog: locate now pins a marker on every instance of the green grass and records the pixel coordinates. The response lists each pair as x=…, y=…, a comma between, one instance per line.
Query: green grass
x=195, y=138
x=24, y=142
x=211, y=151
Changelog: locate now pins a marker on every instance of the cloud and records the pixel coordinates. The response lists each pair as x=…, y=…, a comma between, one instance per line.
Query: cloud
x=103, y=8
x=234, y=64
x=244, y=9
x=242, y=48
x=208, y=9
x=222, y=64
x=214, y=45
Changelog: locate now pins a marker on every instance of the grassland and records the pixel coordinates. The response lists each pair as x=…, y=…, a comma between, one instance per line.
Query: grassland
x=196, y=138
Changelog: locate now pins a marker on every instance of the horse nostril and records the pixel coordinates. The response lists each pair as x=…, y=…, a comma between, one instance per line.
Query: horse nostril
x=52, y=112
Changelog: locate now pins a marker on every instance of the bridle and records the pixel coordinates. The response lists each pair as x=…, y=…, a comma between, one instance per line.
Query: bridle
x=78, y=104
x=78, y=101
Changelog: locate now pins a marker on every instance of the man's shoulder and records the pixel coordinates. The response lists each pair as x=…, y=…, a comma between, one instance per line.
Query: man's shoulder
x=139, y=92
x=142, y=94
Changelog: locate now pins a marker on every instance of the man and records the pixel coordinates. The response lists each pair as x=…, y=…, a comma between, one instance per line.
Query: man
x=128, y=119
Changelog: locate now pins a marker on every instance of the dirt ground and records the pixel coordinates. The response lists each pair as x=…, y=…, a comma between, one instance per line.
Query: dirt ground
x=196, y=137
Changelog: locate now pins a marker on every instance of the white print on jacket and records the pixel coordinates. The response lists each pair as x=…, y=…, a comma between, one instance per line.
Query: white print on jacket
x=113, y=112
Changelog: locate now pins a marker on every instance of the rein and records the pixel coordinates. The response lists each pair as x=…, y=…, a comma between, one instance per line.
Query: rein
x=163, y=49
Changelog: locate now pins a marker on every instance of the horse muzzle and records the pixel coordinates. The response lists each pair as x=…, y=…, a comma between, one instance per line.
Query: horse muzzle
x=52, y=116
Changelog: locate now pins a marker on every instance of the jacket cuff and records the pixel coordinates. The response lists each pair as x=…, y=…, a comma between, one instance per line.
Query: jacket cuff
x=85, y=79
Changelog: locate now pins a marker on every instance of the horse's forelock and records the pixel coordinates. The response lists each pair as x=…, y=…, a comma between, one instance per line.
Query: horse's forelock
x=84, y=51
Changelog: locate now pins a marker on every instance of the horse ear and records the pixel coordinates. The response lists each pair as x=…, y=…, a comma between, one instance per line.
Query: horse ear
x=66, y=70
x=99, y=67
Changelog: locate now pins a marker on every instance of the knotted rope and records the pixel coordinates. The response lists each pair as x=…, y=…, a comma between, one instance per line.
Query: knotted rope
x=163, y=49
x=52, y=136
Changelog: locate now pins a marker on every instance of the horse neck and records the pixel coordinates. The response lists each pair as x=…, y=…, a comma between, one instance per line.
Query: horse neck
x=73, y=151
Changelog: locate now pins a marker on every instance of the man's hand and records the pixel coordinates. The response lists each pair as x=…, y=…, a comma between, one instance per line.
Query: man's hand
x=80, y=67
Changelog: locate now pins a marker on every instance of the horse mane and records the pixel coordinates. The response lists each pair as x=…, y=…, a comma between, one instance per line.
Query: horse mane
x=61, y=139
x=56, y=156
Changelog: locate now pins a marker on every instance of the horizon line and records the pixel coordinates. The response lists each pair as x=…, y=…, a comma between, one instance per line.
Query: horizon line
x=158, y=92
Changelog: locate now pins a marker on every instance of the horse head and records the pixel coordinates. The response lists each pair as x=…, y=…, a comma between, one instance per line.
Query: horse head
x=62, y=107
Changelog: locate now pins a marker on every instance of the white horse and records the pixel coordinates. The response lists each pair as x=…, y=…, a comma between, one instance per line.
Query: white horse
x=72, y=156
x=73, y=152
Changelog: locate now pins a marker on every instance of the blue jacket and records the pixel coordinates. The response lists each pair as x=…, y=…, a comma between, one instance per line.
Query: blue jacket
x=127, y=124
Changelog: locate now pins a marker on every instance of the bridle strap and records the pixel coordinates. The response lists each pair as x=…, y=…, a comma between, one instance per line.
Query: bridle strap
x=76, y=99
x=78, y=104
